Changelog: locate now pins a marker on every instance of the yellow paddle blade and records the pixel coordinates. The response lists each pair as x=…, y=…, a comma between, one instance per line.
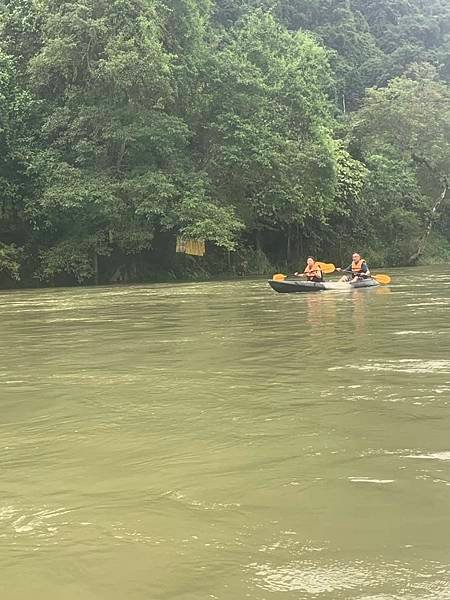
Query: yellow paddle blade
x=382, y=278
x=279, y=277
x=326, y=268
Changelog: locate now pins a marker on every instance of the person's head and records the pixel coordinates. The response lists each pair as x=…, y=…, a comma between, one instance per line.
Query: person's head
x=356, y=257
x=310, y=260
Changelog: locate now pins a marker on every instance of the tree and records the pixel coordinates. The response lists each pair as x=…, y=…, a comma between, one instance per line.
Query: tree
x=406, y=32
x=126, y=124
x=17, y=138
x=404, y=129
x=116, y=152
x=266, y=144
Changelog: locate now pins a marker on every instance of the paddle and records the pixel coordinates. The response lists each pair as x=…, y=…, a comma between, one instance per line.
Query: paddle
x=326, y=268
x=381, y=278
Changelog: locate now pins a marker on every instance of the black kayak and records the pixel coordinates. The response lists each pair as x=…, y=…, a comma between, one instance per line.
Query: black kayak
x=289, y=286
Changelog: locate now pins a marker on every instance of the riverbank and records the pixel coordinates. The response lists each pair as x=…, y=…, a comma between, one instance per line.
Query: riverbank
x=203, y=269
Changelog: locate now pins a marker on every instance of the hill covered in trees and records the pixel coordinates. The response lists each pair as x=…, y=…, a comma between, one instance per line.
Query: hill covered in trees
x=268, y=128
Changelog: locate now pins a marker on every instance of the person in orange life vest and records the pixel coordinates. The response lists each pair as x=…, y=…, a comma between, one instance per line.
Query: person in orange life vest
x=358, y=268
x=312, y=270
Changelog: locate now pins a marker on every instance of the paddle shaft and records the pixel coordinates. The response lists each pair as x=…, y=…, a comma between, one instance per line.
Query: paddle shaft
x=384, y=279
x=350, y=272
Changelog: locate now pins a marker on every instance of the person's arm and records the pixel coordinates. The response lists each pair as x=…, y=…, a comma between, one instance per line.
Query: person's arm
x=349, y=268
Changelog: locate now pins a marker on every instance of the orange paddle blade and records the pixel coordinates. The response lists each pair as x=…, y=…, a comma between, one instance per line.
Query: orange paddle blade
x=326, y=268
x=279, y=277
x=385, y=279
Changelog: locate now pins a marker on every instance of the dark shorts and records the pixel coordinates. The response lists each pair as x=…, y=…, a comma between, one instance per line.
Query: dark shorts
x=359, y=276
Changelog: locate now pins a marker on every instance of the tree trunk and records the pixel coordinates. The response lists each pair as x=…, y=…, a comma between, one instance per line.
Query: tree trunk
x=423, y=240
x=121, y=154
x=96, y=268
x=258, y=242
x=288, y=245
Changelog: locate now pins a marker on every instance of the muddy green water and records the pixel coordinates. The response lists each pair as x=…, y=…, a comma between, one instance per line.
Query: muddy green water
x=218, y=440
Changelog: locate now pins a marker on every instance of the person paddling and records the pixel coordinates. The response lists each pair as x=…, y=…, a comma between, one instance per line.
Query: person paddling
x=312, y=270
x=357, y=270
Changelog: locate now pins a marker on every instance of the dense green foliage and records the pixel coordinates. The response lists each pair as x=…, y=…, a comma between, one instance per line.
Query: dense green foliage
x=271, y=129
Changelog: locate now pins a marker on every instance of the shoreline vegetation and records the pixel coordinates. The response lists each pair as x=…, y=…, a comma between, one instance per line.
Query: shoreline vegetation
x=199, y=277
x=266, y=130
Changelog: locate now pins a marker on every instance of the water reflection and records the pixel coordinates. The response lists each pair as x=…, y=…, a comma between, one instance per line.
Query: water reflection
x=350, y=580
x=321, y=310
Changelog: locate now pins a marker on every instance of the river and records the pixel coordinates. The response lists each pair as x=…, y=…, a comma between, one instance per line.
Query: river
x=221, y=441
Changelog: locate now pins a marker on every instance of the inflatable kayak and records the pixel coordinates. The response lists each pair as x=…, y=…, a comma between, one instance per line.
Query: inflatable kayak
x=289, y=286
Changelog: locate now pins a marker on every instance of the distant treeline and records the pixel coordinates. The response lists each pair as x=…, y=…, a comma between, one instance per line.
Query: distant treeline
x=271, y=129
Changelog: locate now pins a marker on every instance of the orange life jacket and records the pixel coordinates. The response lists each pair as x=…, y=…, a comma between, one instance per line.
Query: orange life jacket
x=357, y=266
x=312, y=271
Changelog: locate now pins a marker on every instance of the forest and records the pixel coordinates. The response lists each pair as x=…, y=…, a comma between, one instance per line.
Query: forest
x=267, y=129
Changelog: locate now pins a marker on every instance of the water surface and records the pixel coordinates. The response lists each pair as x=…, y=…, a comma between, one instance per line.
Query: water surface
x=218, y=440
